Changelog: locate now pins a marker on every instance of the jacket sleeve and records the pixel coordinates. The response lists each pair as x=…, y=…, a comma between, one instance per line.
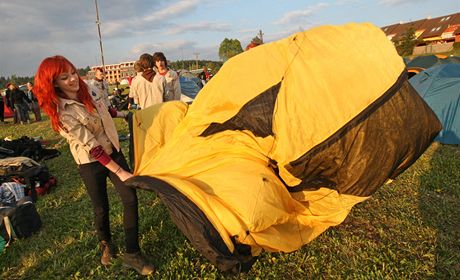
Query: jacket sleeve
x=74, y=129
x=177, y=88
x=26, y=98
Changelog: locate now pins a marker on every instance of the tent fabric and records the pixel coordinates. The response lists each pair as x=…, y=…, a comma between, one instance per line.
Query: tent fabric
x=286, y=138
x=197, y=228
x=423, y=61
x=440, y=88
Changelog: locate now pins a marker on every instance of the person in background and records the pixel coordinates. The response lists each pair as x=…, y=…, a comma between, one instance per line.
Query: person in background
x=21, y=103
x=101, y=85
x=88, y=127
x=34, y=102
x=204, y=75
x=2, y=108
x=173, y=90
x=147, y=89
x=251, y=45
x=10, y=104
x=138, y=70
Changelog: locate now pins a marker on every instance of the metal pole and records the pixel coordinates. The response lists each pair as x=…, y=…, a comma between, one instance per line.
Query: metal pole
x=100, y=37
x=196, y=58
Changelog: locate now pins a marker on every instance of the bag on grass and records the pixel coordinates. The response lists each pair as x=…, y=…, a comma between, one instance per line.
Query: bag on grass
x=34, y=175
x=25, y=218
x=22, y=216
x=10, y=192
x=7, y=233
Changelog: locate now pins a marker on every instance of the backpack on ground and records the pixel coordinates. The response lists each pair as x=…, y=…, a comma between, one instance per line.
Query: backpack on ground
x=18, y=220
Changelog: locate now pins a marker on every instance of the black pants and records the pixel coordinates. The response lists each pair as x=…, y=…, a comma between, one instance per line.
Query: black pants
x=94, y=176
x=2, y=109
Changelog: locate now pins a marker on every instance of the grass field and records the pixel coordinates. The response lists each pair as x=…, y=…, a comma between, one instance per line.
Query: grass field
x=410, y=229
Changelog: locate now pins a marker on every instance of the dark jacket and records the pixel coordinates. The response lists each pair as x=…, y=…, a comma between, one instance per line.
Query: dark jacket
x=31, y=95
x=19, y=97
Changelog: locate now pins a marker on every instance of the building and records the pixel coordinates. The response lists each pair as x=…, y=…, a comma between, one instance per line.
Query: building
x=115, y=72
x=434, y=34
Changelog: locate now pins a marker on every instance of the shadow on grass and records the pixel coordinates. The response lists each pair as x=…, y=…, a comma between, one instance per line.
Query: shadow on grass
x=439, y=204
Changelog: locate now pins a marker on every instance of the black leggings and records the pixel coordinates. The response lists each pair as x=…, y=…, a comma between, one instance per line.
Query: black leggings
x=94, y=176
x=2, y=109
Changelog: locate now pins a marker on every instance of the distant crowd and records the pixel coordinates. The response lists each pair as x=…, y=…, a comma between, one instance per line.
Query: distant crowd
x=20, y=103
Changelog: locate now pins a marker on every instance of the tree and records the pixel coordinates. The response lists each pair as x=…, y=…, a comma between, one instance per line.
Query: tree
x=83, y=71
x=229, y=48
x=405, y=45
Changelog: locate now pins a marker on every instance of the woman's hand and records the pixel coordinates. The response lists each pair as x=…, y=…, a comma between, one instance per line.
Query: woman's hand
x=124, y=175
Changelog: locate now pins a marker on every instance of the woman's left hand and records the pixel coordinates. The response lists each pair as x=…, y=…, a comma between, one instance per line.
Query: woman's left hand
x=124, y=175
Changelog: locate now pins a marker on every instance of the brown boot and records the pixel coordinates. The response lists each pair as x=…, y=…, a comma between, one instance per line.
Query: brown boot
x=108, y=253
x=138, y=262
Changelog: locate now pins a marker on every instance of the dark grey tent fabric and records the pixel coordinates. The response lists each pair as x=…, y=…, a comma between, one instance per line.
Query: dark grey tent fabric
x=194, y=224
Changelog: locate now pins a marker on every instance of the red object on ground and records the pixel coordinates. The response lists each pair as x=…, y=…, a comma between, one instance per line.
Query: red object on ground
x=7, y=112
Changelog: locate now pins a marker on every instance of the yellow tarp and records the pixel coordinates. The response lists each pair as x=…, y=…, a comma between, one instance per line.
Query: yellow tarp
x=329, y=74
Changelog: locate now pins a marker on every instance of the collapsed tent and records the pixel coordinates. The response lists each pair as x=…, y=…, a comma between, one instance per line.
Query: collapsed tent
x=440, y=88
x=283, y=142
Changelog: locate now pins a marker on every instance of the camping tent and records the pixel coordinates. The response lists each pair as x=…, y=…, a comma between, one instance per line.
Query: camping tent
x=282, y=142
x=424, y=62
x=440, y=88
x=421, y=63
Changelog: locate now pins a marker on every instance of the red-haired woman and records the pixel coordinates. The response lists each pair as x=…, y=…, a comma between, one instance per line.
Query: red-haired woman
x=90, y=131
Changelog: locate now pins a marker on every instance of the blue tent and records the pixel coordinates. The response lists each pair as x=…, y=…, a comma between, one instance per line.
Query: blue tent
x=423, y=61
x=440, y=88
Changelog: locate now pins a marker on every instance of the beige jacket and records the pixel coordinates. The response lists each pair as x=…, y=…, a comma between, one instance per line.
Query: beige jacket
x=173, y=89
x=145, y=93
x=99, y=89
x=84, y=130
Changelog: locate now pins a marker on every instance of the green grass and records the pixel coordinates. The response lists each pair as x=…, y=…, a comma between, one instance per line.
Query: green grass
x=410, y=229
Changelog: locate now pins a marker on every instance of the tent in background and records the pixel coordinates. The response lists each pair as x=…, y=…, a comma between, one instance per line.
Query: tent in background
x=420, y=63
x=424, y=62
x=440, y=88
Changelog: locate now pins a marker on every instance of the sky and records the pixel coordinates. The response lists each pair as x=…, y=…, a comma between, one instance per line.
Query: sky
x=31, y=30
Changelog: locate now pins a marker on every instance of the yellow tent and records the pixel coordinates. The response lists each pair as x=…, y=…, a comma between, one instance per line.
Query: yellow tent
x=283, y=141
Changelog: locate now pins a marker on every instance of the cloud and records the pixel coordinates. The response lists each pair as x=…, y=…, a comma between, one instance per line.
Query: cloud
x=300, y=16
x=43, y=22
x=345, y=2
x=176, y=50
x=197, y=27
x=153, y=47
x=174, y=10
x=399, y=2
x=155, y=16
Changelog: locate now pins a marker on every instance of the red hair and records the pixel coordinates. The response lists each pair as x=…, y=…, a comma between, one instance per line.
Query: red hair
x=47, y=96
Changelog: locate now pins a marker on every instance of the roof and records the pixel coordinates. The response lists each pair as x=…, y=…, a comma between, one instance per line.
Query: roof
x=426, y=28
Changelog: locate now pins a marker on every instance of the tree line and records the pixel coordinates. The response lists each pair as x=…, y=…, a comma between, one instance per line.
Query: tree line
x=230, y=47
x=24, y=80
